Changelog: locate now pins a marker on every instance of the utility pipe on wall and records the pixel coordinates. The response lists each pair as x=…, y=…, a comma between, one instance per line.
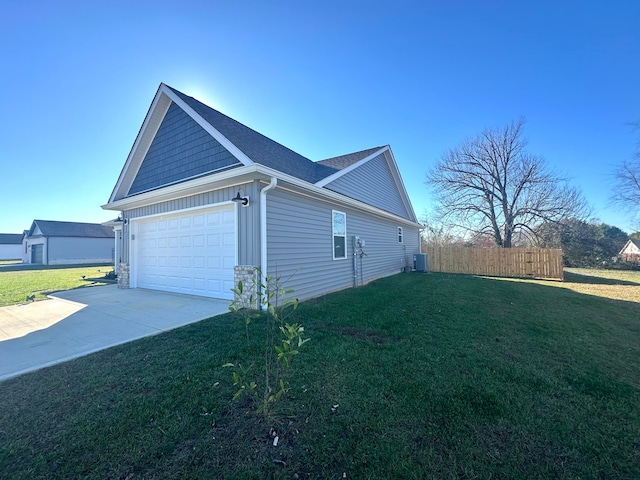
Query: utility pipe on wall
x=263, y=226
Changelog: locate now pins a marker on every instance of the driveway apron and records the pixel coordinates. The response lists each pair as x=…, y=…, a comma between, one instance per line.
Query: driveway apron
x=78, y=322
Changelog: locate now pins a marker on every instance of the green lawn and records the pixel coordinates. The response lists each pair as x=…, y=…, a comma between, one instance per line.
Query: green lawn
x=435, y=376
x=19, y=282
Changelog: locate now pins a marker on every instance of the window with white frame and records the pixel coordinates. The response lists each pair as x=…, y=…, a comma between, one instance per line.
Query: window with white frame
x=339, y=226
x=400, y=236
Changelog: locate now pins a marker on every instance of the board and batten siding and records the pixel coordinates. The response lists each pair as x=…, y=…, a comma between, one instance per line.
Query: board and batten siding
x=300, y=245
x=358, y=184
x=247, y=220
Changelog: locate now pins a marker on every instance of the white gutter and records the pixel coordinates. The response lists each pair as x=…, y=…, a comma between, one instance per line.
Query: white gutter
x=263, y=228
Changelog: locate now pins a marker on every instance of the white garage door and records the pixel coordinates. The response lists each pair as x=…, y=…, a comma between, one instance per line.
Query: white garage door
x=192, y=252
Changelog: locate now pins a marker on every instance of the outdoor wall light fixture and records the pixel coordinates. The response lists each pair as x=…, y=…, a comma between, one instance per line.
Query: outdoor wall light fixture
x=244, y=201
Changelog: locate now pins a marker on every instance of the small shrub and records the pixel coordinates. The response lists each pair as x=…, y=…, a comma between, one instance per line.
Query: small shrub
x=282, y=340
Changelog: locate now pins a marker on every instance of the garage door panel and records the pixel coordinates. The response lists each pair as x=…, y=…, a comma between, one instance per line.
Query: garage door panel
x=228, y=239
x=213, y=219
x=198, y=241
x=190, y=253
x=228, y=263
x=198, y=220
x=228, y=217
x=213, y=263
x=199, y=262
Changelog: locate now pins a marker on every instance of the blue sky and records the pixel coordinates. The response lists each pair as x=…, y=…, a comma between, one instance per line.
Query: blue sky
x=323, y=78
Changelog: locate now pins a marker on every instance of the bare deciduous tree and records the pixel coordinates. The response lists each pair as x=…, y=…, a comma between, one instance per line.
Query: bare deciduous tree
x=626, y=191
x=491, y=185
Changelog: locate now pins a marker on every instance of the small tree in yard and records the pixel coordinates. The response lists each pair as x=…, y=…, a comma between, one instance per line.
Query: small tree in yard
x=282, y=340
x=490, y=185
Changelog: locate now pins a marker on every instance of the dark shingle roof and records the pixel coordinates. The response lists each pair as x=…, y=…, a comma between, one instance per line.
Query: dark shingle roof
x=10, y=238
x=259, y=148
x=635, y=241
x=72, y=229
x=344, y=161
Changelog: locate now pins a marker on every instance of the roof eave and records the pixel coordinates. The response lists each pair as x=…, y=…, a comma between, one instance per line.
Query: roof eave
x=241, y=175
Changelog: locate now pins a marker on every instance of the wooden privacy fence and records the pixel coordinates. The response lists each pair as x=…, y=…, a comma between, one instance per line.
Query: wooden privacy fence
x=496, y=262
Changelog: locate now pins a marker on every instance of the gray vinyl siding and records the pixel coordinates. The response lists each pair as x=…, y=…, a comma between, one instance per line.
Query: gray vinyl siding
x=247, y=221
x=181, y=149
x=374, y=184
x=11, y=252
x=73, y=250
x=300, y=245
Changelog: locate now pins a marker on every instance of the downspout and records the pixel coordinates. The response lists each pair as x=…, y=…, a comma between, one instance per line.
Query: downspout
x=263, y=227
x=355, y=261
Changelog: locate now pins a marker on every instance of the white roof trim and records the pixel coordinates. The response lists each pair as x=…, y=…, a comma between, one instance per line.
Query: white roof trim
x=224, y=141
x=234, y=177
x=403, y=191
x=348, y=169
x=158, y=109
x=394, y=172
x=183, y=189
x=134, y=156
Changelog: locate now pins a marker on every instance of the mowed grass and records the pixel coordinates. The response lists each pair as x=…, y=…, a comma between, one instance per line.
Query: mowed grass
x=415, y=376
x=18, y=283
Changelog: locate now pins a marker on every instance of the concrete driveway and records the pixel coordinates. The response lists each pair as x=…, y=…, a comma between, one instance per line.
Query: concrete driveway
x=82, y=321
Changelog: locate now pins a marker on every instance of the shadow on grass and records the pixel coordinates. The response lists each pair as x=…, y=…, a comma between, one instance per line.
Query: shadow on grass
x=91, y=283
x=579, y=278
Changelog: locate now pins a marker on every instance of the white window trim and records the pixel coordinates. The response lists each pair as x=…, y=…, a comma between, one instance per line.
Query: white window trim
x=333, y=244
x=400, y=235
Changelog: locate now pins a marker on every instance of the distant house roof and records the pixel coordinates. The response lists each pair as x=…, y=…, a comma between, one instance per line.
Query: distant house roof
x=49, y=228
x=259, y=148
x=631, y=241
x=10, y=238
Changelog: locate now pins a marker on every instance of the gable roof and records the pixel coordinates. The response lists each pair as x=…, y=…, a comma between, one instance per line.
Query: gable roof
x=49, y=228
x=631, y=241
x=240, y=153
x=11, y=238
x=257, y=147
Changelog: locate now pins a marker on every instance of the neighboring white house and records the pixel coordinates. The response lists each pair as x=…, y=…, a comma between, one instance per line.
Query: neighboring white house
x=67, y=243
x=10, y=246
x=203, y=199
x=631, y=251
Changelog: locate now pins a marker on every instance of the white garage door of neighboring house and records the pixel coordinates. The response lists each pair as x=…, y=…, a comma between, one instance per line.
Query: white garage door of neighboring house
x=192, y=252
